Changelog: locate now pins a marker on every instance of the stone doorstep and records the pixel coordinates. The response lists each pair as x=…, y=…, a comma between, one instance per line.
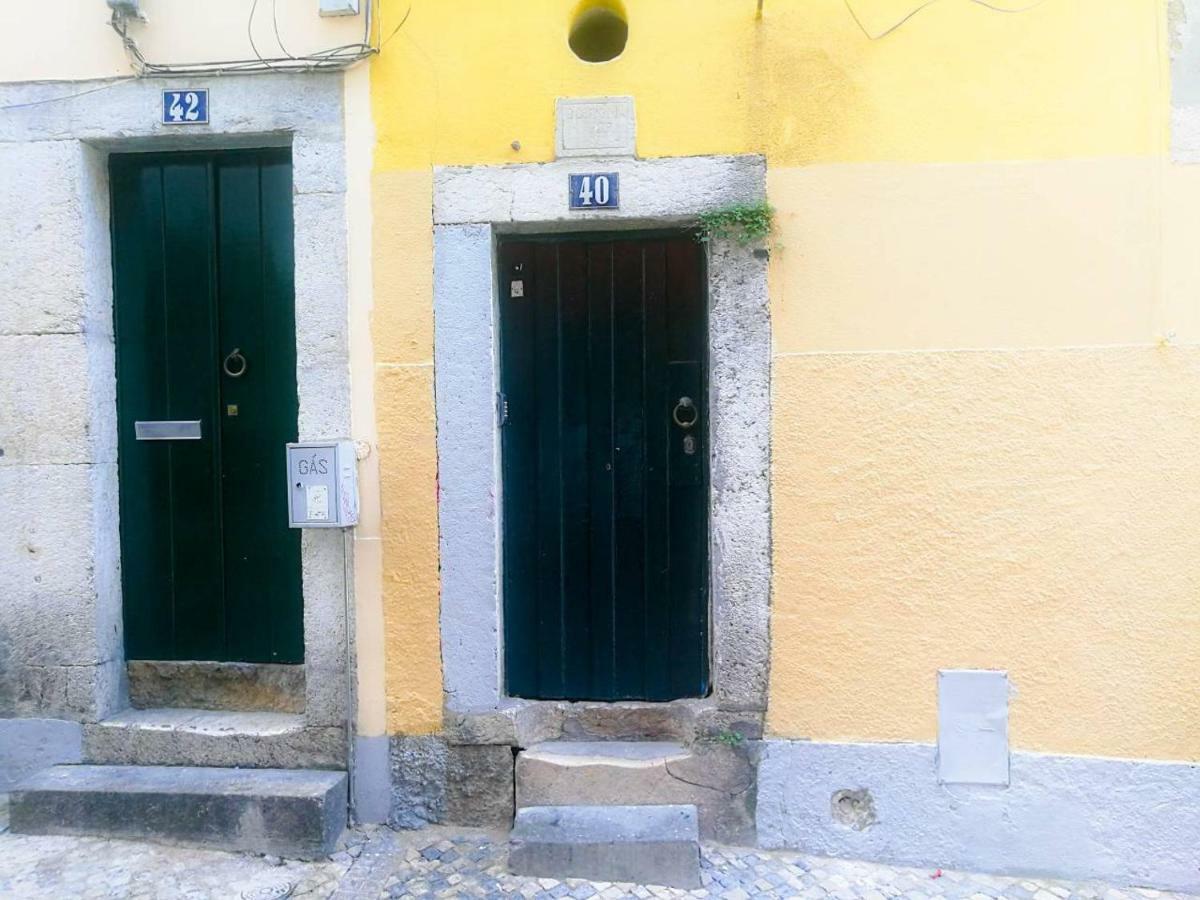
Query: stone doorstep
x=290, y=813
x=245, y=687
x=196, y=737
x=641, y=844
x=716, y=779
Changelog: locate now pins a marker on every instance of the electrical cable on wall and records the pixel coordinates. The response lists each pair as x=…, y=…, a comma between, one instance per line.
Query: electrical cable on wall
x=984, y=3
x=332, y=58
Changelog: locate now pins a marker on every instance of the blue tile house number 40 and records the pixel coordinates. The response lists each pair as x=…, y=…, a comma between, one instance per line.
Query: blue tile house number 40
x=595, y=191
x=186, y=107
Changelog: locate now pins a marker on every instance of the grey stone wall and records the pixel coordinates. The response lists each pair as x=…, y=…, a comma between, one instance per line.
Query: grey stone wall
x=61, y=650
x=59, y=569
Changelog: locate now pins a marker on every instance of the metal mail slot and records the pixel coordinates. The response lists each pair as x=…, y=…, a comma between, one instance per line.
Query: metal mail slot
x=167, y=430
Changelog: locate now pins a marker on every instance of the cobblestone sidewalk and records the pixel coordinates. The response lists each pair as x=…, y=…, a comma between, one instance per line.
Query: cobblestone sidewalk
x=444, y=863
x=440, y=863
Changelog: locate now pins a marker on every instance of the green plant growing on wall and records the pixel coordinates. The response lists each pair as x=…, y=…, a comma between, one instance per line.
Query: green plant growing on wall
x=728, y=737
x=746, y=223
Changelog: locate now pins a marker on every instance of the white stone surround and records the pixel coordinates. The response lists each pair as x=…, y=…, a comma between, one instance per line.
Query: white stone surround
x=61, y=652
x=472, y=205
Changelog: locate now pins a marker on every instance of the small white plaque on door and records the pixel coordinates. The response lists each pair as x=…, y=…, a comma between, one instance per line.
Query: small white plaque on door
x=594, y=126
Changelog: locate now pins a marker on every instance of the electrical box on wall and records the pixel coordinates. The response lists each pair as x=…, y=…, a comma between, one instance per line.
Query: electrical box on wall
x=322, y=484
x=339, y=7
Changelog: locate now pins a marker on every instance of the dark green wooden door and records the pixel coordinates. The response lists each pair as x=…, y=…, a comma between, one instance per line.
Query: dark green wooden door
x=605, y=466
x=202, y=271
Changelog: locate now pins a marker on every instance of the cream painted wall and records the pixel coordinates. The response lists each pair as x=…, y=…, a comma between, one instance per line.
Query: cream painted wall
x=58, y=40
x=1032, y=510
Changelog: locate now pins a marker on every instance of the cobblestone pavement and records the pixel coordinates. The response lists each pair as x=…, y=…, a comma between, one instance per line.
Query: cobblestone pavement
x=439, y=863
x=443, y=863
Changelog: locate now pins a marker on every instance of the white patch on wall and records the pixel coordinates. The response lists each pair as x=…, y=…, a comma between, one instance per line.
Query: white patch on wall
x=972, y=727
x=594, y=126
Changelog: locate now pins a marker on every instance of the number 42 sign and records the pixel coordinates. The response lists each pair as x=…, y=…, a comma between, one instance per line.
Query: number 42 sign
x=595, y=191
x=185, y=107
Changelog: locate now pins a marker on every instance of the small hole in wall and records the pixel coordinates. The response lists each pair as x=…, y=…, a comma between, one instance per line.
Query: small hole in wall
x=599, y=30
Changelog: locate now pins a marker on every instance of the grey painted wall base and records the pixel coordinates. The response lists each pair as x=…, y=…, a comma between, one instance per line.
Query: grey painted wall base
x=371, y=780
x=29, y=745
x=1125, y=821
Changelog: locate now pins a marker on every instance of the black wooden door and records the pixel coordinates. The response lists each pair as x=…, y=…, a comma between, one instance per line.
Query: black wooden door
x=605, y=466
x=205, y=334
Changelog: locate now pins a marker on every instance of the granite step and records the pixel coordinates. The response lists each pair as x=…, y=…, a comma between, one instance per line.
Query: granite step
x=293, y=813
x=716, y=779
x=200, y=737
x=656, y=845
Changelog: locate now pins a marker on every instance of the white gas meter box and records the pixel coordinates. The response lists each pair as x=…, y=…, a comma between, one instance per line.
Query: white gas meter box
x=322, y=484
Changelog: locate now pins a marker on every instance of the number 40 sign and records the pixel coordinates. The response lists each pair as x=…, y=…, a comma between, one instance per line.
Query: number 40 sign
x=188, y=107
x=595, y=191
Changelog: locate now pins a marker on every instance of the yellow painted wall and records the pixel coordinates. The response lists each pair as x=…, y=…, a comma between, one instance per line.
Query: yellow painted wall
x=982, y=456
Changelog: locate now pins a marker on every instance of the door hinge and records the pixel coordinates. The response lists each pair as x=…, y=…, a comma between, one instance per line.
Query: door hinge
x=501, y=410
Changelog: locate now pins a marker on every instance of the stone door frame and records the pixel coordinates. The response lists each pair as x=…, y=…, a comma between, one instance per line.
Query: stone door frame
x=472, y=206
x=304, y=112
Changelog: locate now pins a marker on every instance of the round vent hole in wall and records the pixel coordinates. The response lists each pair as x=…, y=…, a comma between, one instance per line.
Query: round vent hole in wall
x=599, y=30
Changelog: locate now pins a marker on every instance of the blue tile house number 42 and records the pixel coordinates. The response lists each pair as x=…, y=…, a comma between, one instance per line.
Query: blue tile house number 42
x=187, y=107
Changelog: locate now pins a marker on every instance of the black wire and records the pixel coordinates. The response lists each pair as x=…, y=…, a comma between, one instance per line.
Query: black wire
x=332, y=58
x=397, y=28
x=250, y=34
x=275, y=22
x=103, y=87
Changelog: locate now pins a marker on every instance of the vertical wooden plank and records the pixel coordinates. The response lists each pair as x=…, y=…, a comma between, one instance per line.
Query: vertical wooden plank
x=548, y=369
x=629, y=460
x=688, y=517
x=249, y=579
x=573, y=303
x=657, y=622
x=144, y=467
x=264, y=607
x=191, y=353
x=600, y=467
x=519, y=470
x=280, y=397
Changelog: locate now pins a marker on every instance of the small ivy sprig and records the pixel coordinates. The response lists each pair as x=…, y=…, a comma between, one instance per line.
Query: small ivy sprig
x=747, y=223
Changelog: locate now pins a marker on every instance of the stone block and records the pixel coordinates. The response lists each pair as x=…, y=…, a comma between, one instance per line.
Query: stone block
x=641, y=844
x=418, y=773
x=321, y=287
x=309, y=103
x=46, y=567
x=479, y=786
x=192, y=737
x=249, y=687
x=43, y=263
x=290, y=813
x=45, y=410
x=435, y=782
x=319, y=165
x=715, y=778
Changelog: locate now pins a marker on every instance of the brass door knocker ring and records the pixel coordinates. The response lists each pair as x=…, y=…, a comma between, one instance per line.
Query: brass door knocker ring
x=235, y=364
x=683, y=408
